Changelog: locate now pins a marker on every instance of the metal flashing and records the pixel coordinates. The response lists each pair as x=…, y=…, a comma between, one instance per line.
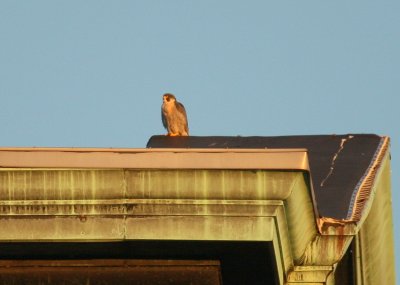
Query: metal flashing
x=282, y=159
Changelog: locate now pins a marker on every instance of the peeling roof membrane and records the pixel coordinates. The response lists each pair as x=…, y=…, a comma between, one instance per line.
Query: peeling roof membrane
x=343, y=167
x=363, y=188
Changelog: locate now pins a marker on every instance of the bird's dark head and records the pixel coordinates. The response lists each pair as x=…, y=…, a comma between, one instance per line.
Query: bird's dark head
x=167, y=97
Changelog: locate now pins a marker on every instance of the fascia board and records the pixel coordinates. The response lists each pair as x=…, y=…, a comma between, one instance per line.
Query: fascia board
x=284, y=159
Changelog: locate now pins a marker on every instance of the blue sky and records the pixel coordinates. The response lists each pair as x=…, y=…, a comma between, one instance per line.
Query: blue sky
x=92, y=73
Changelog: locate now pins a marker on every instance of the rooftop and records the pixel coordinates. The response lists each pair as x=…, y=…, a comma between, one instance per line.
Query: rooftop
x=342, y=166
x=303, y=207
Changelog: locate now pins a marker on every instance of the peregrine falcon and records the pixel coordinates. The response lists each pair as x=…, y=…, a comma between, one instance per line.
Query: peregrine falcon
x=173, y=116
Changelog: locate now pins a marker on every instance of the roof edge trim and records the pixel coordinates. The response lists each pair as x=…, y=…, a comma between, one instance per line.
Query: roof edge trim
x=146, y=150
x=361, y=193
x=269, y=159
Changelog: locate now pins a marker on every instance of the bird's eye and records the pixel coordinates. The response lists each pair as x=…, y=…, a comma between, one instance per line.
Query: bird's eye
x=168, y=99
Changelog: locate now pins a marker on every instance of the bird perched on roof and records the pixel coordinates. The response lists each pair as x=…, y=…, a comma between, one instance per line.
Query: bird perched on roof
x=173, y=116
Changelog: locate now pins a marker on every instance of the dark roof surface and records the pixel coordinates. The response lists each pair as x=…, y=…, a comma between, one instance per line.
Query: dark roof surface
x=338, y=163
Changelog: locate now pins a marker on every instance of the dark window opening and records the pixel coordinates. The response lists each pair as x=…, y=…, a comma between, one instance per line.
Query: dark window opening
x=250, y=263
x=344, y=273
